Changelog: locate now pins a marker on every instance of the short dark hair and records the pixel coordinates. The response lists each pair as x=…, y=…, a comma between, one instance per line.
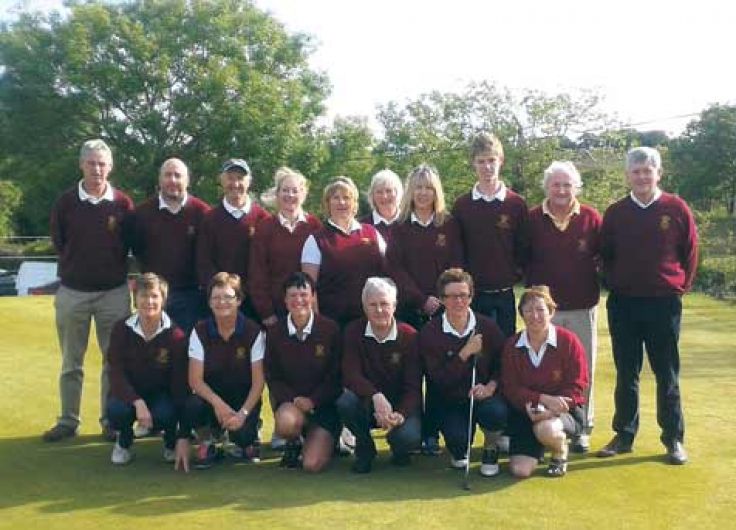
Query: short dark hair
x=454, y=275
x=300, y=280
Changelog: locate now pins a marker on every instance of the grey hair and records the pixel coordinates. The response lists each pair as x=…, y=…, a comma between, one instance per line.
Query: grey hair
x=379, y=285
x=566, y=167
x=170, y=161
x=94, y=145
x=643, y=155
x=388, y=178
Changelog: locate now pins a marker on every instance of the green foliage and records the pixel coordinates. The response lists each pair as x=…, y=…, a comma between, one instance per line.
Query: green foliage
x=703, y=159
x=200, y=80
x=10, y=199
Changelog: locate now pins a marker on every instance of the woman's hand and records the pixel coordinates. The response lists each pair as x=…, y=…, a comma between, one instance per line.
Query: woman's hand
x=481, y=392
x=473, y=347
x=142, y=414
x=538, y=413
x=235, y=421
x=381, y=410
x=556, y=404
x=431, y=306
x=182, y=451
x=304, y=404
x=223, y=412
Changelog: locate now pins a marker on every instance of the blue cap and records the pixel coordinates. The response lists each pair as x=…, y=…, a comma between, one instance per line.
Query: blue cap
x=236, y=163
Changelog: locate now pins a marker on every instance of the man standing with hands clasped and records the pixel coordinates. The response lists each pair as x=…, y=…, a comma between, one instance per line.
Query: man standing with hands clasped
x=649, y=248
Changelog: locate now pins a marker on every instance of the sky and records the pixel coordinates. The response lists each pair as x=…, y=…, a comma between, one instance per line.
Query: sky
x=652, y=60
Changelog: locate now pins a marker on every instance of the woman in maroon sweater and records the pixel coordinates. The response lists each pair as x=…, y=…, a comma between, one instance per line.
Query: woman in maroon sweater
x=303, y=374
x=148, y=371
x=384, y=196
x=276, y=248
x=343, y=255
x=543, y=376
x=226, y=374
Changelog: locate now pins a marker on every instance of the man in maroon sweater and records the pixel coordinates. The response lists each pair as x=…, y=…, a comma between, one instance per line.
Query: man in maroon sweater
x=225, y=235
x=90, y=226
x=166, y=231
x=382, y=378
x=493, y=221
x=649, y=247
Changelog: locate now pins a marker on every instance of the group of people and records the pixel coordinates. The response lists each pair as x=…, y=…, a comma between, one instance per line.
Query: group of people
x=403, y=320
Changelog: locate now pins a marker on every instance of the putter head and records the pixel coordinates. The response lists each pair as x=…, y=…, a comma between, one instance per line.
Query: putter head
x=466, y=485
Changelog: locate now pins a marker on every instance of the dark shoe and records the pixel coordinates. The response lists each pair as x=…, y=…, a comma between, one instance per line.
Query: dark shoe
x=108, y=433
x=431, y=446
x=206, y=455
x=400, y=459
x=676, y=454
x=292, y=453
x=362, y=465
x=615, y=447
x=557, y=468
x=489, y=463
x=59, y=432
x=252, y=453
x=580, y=444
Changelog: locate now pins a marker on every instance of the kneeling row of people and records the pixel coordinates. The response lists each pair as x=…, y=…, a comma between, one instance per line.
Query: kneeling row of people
x=367, y=376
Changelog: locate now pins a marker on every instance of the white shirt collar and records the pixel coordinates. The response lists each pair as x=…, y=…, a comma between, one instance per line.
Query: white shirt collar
x=163, y=205
x=657, y=195
x=499, y=195
x=354, y=225
x=415, y=219
x=86, y=197
x=300, y=218
x=134, y=323
x=447, y=327
x=378, y=218
x=237, y=212
x=536, y=356
x=392, y=335
x=307, y=329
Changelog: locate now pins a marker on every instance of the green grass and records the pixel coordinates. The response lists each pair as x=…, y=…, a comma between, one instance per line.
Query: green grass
x=73, y=485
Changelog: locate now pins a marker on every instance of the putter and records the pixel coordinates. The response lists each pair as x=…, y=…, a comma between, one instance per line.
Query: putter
x=466, y=480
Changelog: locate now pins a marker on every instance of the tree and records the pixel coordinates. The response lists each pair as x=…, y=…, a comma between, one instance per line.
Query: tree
x=10, y=199
x=197, y=79
x=703, y=159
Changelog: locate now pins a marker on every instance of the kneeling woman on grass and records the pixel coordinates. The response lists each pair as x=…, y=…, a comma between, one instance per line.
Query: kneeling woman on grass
x=302, y=370
x=226, y=374
x=544, y=377
x=148, y=370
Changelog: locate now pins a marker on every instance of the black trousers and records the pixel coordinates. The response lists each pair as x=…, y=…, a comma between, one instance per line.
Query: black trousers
x=199, y=413
x=636, y=323
x=500, y=307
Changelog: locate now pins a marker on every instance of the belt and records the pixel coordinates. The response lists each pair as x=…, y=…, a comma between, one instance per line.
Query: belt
x=496, y=291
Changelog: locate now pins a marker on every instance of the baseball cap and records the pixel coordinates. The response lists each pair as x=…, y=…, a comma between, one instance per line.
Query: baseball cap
x=236, y=163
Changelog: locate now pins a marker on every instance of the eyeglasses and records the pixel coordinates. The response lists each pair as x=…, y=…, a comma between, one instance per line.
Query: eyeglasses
x=461, y=297
x=224, y=299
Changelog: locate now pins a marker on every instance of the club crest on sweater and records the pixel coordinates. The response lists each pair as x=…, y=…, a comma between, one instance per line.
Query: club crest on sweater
x=163, y=356
x=191, y=231
x=395, y=358
x=441, y=240
x=504, y=222
x=556, y=376
x=112, y=223
x=664, y=223
x=240, y=353
x=319, y=350
x=582, y=245
x=365, y=241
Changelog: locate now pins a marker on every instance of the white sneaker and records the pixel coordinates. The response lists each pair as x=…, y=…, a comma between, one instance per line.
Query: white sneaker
x=141, y=432
x=503, y=444
x=489, y=463
x=169, y=455
x=460, y=463
x=120, y=455
x=277, y=443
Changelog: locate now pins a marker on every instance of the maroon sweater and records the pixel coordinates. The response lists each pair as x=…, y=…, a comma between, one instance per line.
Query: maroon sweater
x=224, y=242
x=275, y=254
x=309, y=369
x=443, y=366
x=392, y=367
x=563, y=372
x=385, y=230
x=140, y=369
x=347, y=261
x=92, y=240
x=165, y=242
x=649, y=251
x=495, y=239
x=417, y=255
x=566, y=261
x=227, y=364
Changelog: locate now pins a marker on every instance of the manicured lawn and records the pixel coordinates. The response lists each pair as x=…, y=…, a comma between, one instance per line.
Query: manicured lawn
x=73, y=485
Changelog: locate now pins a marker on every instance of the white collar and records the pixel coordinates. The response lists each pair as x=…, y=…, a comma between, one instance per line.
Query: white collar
x=86, y=197
x=551, y=339
x=392, y=335
x=378, y=218
x=354, y=225
x=134, y=323
x=500, y=195
x=237, y=212
x=657, y=195
x=300, y=218
x=163, y=205
x=307, y=329
x=447, y=327
x=415, y=219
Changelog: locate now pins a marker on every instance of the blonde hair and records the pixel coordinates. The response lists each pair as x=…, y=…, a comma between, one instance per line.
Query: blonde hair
x=150, y=282
x=424, y=173
x=540, y=292
x=486, y=143
x=224, y=280
x=340, y=183
x=268, y=197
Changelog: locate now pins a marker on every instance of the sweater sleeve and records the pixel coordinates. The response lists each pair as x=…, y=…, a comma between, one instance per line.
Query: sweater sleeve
x=352, y=368
x=409, y=292
x=512, y=385
x=411, y=391
x=689, y=249
x=280, y=391
x=259, y=281
x=330, y=388
x=120, y=387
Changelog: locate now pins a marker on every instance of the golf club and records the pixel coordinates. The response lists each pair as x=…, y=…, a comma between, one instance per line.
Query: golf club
x=466, y=483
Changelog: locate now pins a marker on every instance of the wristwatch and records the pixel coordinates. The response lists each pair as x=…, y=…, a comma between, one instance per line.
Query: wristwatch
x=244, y=412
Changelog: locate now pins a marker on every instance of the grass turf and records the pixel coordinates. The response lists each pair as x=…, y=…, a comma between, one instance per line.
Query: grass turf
x=73, y=485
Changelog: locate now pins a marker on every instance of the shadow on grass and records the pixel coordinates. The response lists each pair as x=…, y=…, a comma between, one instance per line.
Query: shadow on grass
x=77, y=475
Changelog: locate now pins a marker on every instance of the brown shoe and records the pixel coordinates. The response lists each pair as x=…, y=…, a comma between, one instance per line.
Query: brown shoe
x=615, y=447
x=676, y=454
x=58, y=432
